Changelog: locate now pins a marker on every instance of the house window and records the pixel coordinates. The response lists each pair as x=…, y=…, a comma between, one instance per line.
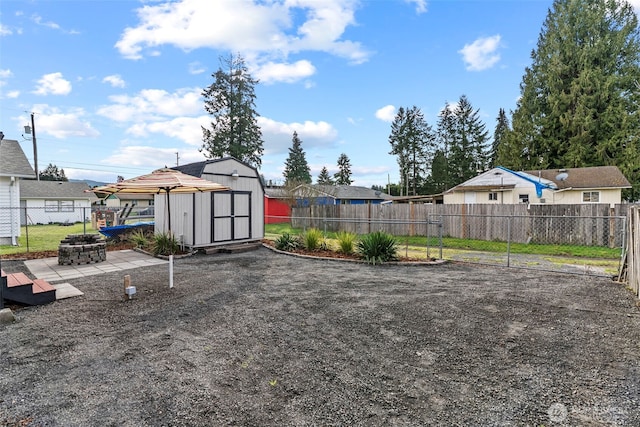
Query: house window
x=493, y=196
x=66, y=206
x=591, y=197
x=51, y=206
x=523, y=198
x=58, y=206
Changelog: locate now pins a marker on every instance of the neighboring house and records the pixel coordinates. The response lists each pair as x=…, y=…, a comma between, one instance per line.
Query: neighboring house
x=338, y=195
x=55, y=202
x=600, y=184
x=14, y=167
x=220, y=217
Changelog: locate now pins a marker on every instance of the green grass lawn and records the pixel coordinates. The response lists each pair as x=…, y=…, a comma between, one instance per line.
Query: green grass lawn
x=44, y=238
x=272, y=231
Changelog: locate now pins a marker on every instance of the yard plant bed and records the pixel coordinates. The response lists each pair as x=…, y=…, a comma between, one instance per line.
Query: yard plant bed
x=264, y=339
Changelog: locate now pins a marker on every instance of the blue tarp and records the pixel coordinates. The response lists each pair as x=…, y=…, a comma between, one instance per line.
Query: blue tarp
x=116, y=230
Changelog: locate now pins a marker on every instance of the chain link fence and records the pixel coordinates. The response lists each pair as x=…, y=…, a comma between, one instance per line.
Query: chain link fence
x=591, y=245
x=27, y=229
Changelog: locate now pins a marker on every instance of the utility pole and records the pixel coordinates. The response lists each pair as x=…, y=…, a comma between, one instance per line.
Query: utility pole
x=35, y=147
x=177, y=158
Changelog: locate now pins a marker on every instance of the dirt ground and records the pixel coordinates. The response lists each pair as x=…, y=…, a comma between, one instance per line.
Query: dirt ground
x=265, y=339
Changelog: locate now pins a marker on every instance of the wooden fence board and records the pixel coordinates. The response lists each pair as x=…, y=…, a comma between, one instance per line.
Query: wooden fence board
x=585, y=224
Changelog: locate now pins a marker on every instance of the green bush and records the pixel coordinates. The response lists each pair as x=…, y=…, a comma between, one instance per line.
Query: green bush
x=288, y=242
x=139, y=239
x=313, y=239
x=164, y=244
x=346, y=242
x=378, y=247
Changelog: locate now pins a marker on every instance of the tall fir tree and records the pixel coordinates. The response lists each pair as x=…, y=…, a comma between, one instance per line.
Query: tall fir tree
x=579, y=101
x=324, y=178
x=499, y=139
x=445, y=135
x=468, y=150
x=296, y=168
x=343, y=176
x=413, y=142
x=230, y=99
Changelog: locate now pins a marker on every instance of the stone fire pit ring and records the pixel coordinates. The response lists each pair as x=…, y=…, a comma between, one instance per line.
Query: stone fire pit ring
x=82, y=249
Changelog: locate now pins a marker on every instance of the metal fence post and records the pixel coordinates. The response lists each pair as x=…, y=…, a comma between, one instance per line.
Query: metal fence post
x=440, y=227
x=509, y=241
x=26, y=226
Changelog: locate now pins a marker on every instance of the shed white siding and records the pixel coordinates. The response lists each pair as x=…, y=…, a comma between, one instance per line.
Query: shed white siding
x=220, y=217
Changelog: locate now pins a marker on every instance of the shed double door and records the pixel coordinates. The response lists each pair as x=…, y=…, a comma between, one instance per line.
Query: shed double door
x=231, y=219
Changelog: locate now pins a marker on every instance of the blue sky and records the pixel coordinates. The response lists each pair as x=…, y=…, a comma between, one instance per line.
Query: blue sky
x=116, y=85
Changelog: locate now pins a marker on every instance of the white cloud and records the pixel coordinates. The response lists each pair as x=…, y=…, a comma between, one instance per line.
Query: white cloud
x=290, y=73
x=186, y=129
x=152, y=105
x=482, y=53
x=114, y=80
x=151, y=157
x=248, y=26
x=4, y=30
x=277, y=135
x=50, y=24
x=421, y=5
x=63, y=124
x=386, y=113
x=53, y=84
x=13, y=94
x=196, y=68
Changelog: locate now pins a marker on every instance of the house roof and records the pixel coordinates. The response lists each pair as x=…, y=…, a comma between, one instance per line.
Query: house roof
x=347, y=192
x=576, y=178
x=591, y=177
x=197, y=169
x=32, y=189
x=13, y=162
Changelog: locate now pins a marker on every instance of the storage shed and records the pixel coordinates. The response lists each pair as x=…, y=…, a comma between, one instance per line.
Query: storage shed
x=221, y=217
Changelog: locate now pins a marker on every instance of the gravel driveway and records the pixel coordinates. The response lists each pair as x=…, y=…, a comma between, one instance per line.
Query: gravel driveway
x=265, y=339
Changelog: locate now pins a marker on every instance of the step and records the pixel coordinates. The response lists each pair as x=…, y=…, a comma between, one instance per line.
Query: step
x=20, y=288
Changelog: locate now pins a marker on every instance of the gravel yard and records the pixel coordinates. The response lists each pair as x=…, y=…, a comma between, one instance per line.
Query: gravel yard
x=267, y=339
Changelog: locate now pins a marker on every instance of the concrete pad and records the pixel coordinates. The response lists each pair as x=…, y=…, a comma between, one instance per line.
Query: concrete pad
x=65, y=290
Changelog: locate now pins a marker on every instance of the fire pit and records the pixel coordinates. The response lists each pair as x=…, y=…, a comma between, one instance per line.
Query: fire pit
x=82, y=249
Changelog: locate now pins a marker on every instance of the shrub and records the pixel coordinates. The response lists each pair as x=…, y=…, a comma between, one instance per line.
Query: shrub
x=139, y=239
x=288, y=242
x=346, y=242
x=378, y=247
x=164, y=244
x=313, y=239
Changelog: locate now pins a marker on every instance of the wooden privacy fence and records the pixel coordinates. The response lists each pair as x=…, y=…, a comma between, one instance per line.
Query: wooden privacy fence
x=590, y=225
x=633, y=250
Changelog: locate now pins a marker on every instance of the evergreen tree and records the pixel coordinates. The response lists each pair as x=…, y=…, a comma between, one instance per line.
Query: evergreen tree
x=499, y=140
x=52, y=173
x=231, y=101
x=439, y=173
x=468, y=149
x=579, y=104
x=296, y=168
x=413, y=142
x=343, y=176
x=444, y=137
x=324, y=178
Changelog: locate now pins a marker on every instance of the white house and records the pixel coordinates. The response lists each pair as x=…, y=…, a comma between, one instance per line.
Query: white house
x=55, y=202
x=14, y=167
x=600, y=184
